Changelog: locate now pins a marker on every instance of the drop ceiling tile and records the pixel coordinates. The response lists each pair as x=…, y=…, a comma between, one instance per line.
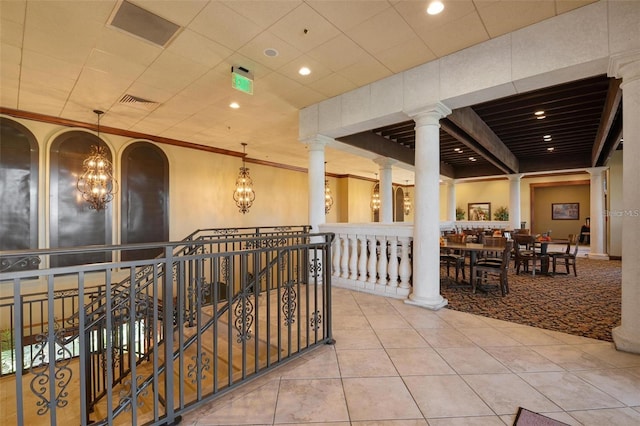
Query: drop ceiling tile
x=414, y=12
x=9, y=74
x=464, y=32
x=217, y=22
x=55, y=82
x=180, y=12
x=406, y=55
x=263, y=13
x=10, y=54
x=256, y=47
x=236, y=59
x=366, y=71
x=97, y=89
x=347, y=14
x=32, y=99
x=151, y=93
x=62, y=46
x=11, y=32
x=51, y=65
x=381, y=32
x=123, y=44
x=279, y=84
x=117, y=65
x=563, y=6
x=338, y=53
x=13, y=11
x=69, y=19
x=9, y=95
x=291, y=28
x=505, y=16
x=332, y=85
x=303, y=97
x=172, y=72
x=199, y=49
x=318, y=70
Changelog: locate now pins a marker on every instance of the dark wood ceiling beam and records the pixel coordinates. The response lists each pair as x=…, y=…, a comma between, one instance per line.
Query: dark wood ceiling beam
x=379, y=145
x=468, y=121
x=611, y=105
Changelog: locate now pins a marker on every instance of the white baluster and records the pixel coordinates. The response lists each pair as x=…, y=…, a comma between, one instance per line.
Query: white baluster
x=373, y=259
x=382, y=262
x=362, y=259
x=344, y=262
x=405, y=263
x=353, y=259
x=393, y=262
x=336, y=255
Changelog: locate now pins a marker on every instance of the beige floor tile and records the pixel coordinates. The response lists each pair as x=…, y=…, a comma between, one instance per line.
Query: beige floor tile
x=387, y=322
x=405, y=422
x=311, y=400
x=569, y=391
x=488, y=337
x=427, y=320
x=461, y=319
x=521, y=359
x=616, y=382
x=445, y=338
x=530, y=336
x=408, y=338
x=468, y=421
x=365, y=363
x=358, y=339
x=350, y=322
x=379, y=398
x=378, y=309
x=419, y=362
x=321, y=365
x=471, y=361
x=504, y=393
x=570, y=357
x=611, y=416
x=445, y=396
x=611, y=355
x=571, y=339
x=496, y=323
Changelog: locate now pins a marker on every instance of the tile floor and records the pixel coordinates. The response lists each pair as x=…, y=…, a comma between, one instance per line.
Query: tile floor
x=397, y=364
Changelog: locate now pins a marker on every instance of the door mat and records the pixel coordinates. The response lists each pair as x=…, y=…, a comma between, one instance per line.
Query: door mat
x=525, y=417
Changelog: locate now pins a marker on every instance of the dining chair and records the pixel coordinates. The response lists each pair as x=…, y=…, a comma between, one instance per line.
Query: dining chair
x=457, y=260
x=525, y=253
x=483, y=269
x=490, y=255
x=569, y=256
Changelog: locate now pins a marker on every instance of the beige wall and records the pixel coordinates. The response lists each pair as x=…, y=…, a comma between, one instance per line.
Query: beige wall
x=545, y=196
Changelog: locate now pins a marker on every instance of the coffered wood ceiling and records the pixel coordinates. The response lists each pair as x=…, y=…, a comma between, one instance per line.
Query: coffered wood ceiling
x=62, y=59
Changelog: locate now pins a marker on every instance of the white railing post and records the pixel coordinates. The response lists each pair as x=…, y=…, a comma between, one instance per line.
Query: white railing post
x=344, y=262
x=362, y=259
x=382, y=261
x=405, y=263
x=353, y=258
x=393, y=262
x=373, y=259
x=336, y=255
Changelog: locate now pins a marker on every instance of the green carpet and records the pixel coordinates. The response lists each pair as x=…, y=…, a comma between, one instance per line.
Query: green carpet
x=588, y=305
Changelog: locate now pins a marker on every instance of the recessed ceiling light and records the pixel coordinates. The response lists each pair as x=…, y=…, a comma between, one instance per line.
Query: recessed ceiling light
x=271, y=52
x=547, y=138
x=550, y=149
x=540, y=117
x=304, y=71
x=472, y=159
x=539, y=112
x=234, y=105
x=435, y=7
x=458, y=150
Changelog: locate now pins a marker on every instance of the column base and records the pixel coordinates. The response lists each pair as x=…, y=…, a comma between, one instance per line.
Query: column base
x=624, y=341
x=433, y=305
x=598, y=256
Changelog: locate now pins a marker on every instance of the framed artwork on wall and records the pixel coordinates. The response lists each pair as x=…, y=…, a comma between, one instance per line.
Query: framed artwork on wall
x=565, y=211
x=479, y=211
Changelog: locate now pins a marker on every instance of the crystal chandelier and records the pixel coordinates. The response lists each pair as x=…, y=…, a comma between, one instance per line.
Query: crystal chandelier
x=244, y=195
x=407, y=200
x=96, y=183
x=375, y=197
x=328, y=199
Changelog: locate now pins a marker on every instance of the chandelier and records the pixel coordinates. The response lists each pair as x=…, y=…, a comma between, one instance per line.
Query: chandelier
x=407, y=200
x=375, y=197
x=96, y=183
x=244, y=194
x=328, y=199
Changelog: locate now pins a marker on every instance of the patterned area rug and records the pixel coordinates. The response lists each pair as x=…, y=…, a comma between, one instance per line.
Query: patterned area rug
x=588, y=305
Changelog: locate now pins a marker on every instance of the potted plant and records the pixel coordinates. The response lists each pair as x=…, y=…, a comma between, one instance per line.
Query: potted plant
x=501, y=213
x=459, y=213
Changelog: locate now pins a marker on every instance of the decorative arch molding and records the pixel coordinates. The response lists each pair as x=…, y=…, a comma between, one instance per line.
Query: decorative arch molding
x=144, y=198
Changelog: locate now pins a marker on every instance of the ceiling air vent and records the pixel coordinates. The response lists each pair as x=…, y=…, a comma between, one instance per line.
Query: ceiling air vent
x=144, y=24
x=130, y=99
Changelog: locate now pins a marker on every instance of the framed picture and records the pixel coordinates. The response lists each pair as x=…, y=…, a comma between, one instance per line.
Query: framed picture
x=565, y=211
x=479, y=211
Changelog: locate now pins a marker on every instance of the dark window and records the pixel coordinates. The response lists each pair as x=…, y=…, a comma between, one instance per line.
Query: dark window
x=145, y=194
x=72, y=222
x=398, y=205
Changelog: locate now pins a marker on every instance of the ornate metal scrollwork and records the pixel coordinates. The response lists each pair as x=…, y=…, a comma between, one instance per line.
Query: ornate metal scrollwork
x=282, y=228
x=224, y=270
x=19, y=263
x=126, y=394
x=289, y=302
x=225, y=231
x=315, y=268
x=315, y=320
x=40, y=369
x=244, y=317
x=194, y=373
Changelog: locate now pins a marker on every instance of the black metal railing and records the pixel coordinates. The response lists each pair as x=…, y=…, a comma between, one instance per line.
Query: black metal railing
x=221, y=310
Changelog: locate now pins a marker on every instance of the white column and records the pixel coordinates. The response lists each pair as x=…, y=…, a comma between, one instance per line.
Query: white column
x=386, y=189
x=451, y=200
x=597, y=249
x=426, y=229
x=627, y=336
x=316, y=146
x=514, y=201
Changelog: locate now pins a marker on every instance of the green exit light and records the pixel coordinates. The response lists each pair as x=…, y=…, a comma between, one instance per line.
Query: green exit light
x=241, y=83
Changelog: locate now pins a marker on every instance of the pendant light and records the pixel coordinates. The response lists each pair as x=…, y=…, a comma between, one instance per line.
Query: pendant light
x=244, y=194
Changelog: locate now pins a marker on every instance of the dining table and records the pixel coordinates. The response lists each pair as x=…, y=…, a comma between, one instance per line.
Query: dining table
x=544, y=248
x=473, y=249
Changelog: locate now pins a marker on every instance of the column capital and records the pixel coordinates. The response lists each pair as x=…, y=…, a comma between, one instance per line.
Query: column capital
x=625, y=66
x=384, y=162
x=430, y=114
x=317, y=142
x=515, y=176
x=596, y=170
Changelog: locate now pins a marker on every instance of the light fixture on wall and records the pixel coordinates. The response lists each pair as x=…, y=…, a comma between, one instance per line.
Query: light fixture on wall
x=244, y=194
x=96, y=183
x=375, y=196
x=328, y=199
x=407, y=200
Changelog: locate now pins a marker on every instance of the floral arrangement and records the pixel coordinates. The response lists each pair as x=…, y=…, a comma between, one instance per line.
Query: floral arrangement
x=501, y=213
x=459, y=213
